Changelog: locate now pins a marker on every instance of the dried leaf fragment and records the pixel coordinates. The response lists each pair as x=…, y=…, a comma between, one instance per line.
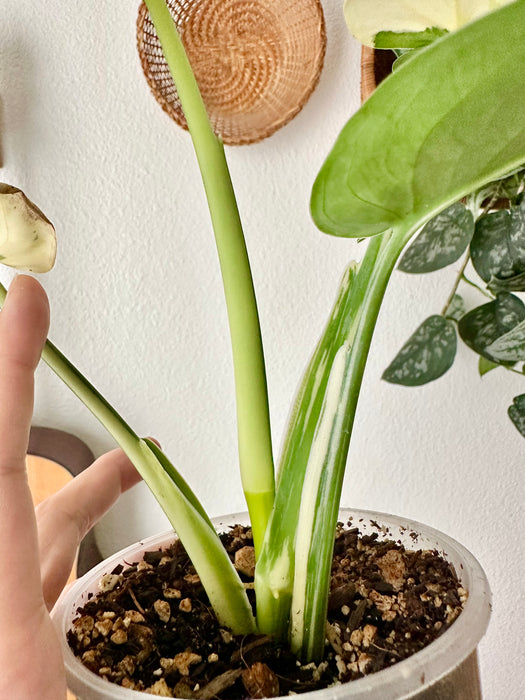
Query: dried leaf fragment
x=27, y=237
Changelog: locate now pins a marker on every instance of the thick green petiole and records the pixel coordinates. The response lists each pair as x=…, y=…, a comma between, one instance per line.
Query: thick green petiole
x=253, y=419
x=276, y=565
x=323, y=480
x=219, y=578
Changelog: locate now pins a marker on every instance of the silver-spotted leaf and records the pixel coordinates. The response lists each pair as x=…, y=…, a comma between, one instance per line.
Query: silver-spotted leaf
x=440, y=242
x=517, y=413
x=509, y=347
x=485, y=324
x=427, y=354
x=497, y=248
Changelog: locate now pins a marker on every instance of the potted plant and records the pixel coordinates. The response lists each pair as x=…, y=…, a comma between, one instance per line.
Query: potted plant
x=384, y=179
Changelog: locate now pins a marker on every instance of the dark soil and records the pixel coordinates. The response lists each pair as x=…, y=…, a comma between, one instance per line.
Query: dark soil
x=152, y=629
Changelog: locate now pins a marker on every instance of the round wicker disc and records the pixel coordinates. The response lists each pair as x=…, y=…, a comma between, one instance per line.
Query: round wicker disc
x=256, y=61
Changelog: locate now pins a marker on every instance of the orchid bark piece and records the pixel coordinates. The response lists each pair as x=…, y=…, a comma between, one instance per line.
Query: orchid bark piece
x=27, y=237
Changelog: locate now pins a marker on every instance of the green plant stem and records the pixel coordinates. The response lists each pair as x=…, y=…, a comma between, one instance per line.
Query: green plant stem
x=459, y=277
x=218, y=576
x=253, y=420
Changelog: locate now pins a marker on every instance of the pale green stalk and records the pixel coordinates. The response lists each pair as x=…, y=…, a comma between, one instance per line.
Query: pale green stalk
x=253, y=421
x=219, y=578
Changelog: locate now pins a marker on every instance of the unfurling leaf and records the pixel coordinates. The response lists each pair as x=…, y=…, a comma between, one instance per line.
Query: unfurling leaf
x=485, y=324
x=427, y=354
x=498, y=248
x=517, y=413
x=27, y=237
x=440, y=242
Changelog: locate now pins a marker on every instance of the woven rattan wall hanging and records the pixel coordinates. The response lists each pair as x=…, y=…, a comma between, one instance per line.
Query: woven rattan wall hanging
x=256, y=61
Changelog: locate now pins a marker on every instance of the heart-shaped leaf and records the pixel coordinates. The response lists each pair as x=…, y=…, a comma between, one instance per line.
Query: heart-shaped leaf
x=427, y=354
x=441, y=241
x=484, y=325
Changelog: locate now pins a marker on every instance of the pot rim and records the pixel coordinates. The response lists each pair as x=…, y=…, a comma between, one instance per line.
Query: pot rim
x=402, y=680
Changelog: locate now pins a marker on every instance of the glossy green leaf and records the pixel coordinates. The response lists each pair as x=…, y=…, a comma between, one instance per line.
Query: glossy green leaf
x=517, y=413
x=441, y=241
x=427, y=354
x=431, y=133
x=509, y=347
x=498, y=248
x=484, y=325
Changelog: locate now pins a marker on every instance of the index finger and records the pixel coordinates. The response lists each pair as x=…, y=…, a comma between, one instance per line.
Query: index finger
x=24, y=321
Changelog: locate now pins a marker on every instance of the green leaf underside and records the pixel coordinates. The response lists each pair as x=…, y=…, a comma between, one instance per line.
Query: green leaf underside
x=441, y=241
x=419, y=144
x=485, y=366
x=427, y=355
x=408, y=40
x=498, y=248
x=517, y=413
x=482, y=326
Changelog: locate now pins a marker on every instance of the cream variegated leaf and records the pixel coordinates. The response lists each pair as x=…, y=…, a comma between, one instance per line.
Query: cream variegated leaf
x=366, y=18
x=27, y=237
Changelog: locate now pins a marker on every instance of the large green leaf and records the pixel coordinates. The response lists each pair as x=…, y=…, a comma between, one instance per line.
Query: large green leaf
x=448, y=121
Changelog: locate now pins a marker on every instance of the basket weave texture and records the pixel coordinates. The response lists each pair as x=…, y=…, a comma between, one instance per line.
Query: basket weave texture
x=256, y=61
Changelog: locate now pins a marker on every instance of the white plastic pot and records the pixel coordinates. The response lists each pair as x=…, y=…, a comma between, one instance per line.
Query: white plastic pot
x=445, y=670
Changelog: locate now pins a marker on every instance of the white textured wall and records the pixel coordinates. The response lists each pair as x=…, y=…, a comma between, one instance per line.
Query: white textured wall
x=137, y=300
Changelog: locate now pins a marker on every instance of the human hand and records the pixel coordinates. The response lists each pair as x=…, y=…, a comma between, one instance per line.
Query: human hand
x=38, y=551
